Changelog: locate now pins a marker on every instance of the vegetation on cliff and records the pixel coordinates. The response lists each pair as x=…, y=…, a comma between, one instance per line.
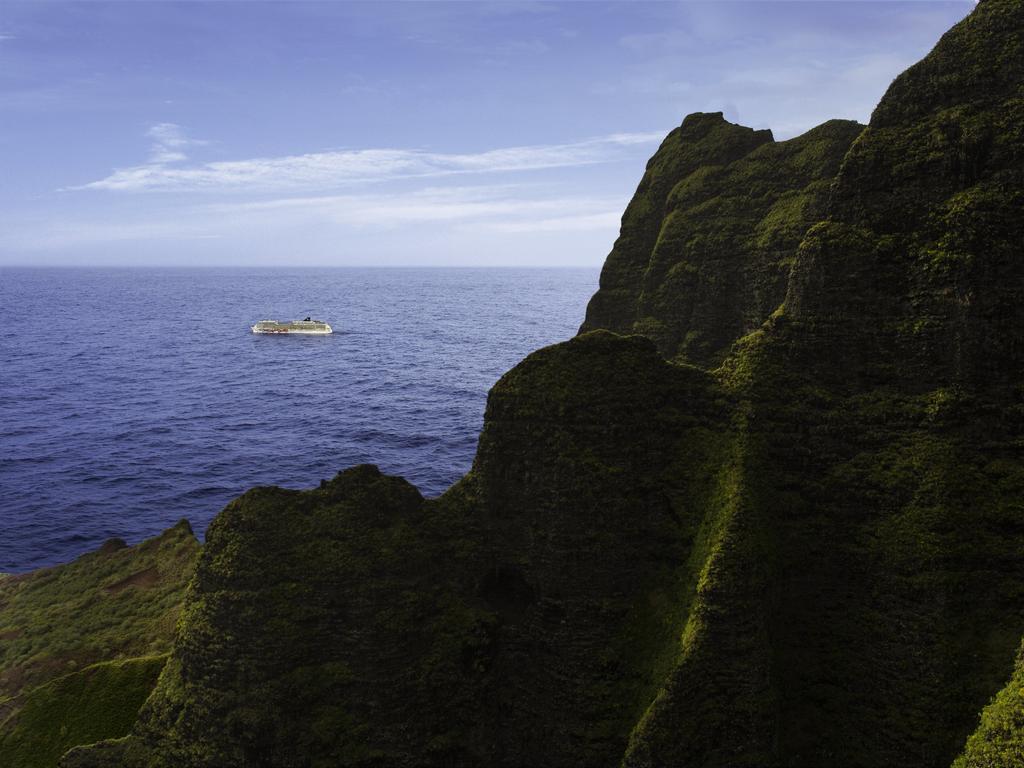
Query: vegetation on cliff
x=803, y=526
x=58, y=628
x=95, y=703
x=709, y=239
x=883, y=472
x=999, y=740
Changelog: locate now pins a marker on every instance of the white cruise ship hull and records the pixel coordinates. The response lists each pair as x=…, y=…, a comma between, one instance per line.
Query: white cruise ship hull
x=298, y=327
x=293, y=333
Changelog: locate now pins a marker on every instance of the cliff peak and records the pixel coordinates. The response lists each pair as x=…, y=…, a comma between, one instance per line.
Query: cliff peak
x=686, y=270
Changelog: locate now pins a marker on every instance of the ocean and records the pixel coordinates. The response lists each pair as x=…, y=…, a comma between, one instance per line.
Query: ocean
x=135, y=397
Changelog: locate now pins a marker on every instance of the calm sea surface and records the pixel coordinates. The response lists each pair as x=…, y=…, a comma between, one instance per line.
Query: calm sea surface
x=133, y=398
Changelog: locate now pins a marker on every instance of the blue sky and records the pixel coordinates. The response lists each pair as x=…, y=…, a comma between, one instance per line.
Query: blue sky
x=469, y=133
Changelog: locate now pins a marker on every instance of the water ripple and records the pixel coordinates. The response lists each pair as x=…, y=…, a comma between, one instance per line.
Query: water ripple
x=149, y=400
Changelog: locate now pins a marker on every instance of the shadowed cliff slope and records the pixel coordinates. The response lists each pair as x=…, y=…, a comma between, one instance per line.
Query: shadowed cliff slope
x=525, y=617
x=807, y=551
x=885, y=472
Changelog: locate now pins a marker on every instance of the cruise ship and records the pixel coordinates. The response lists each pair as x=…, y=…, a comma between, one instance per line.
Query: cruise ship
x=307, y=326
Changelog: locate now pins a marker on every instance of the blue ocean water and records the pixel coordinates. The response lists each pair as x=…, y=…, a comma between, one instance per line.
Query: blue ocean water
x=135, y=397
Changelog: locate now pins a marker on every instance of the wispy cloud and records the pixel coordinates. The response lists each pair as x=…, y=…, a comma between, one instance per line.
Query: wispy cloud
x=502, y=209
x=327, y=170
x=169, y=142
x=508, y=205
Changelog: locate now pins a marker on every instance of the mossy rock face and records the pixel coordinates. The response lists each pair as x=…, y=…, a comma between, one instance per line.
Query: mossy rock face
x=524, y=617
x=806, y=551
x=709, y=239
x=594, y=472
x=318, y=631
x=703, y=144
x=118, y=602
x=102, y=754
x=885, y=468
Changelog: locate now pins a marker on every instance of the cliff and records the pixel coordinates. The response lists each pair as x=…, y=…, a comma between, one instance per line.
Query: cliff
x=883, y=466
x=782, y=525
x=708, y=241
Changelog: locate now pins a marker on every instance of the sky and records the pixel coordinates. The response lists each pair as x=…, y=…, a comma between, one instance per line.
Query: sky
x=395, y=134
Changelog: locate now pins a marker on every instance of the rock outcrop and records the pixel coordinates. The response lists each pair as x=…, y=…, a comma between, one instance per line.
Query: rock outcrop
x=786, y=528
x=709, y=239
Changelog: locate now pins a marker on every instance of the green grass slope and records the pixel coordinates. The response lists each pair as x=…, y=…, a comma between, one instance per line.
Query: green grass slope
x=98, y=702
x=118, y=602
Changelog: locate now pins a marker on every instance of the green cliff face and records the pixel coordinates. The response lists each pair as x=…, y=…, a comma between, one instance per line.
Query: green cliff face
x=884, y=480
x=783, y=529
x=710, y=237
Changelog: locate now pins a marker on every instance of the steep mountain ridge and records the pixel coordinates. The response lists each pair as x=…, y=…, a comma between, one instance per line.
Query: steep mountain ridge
x=885, y=422
x=805, y=552
x=708, y=241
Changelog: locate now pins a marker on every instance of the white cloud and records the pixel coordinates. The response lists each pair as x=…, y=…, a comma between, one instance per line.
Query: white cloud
x=482, y=210
x=169, y=140
x=325, y=170
x=64, y=233
x=782, y=77
x=503, y=206
x=168, y=134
